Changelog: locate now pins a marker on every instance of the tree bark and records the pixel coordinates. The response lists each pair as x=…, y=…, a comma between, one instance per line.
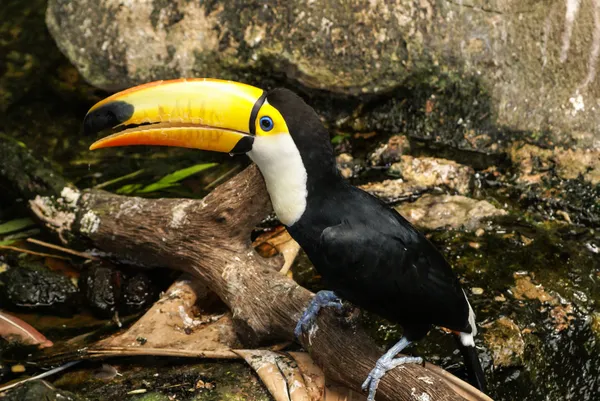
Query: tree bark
x=210, y=238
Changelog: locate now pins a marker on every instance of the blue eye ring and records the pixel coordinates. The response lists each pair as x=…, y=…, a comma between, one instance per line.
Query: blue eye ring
x=266, y=123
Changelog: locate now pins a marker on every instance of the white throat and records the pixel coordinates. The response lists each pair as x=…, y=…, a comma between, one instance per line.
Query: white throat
x=280, y=163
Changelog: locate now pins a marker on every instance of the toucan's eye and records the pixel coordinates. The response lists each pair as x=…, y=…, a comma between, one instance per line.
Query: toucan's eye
x=266, y=123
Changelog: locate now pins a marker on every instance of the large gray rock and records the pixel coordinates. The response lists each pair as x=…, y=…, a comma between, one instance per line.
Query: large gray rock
x=536, y=60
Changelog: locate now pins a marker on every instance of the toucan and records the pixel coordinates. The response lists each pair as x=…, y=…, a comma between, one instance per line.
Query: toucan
x=365, y=251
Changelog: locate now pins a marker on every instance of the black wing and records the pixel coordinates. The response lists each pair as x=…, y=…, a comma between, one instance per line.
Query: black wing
x=394, y=271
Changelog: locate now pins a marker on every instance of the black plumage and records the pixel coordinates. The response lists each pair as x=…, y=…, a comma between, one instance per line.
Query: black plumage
x=366, y=252
x=371, y=256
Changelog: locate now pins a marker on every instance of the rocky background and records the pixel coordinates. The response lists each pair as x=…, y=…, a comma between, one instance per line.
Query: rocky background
x=477, y=120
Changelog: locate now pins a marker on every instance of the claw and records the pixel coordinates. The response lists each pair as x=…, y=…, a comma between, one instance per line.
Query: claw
x=320, y=300
x=386, y=363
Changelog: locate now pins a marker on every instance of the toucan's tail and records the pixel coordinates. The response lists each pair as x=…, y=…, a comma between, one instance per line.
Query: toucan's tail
x=474, y=369
x=466, y=344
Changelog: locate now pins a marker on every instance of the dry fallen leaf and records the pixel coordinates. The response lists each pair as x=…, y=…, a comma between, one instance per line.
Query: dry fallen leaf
x=277, y=373
x=294, y=376
x=14, y=329
x=314, y=379
x=172, y=323
x=171, y=328
x=278, y=241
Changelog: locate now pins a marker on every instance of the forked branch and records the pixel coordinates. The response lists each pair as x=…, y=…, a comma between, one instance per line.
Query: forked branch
x=210, y=238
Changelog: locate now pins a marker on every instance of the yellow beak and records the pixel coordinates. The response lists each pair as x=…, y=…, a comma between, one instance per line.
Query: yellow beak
x=206, y=114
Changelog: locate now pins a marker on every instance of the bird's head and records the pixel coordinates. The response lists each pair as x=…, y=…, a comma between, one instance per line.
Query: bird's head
x=277, y=129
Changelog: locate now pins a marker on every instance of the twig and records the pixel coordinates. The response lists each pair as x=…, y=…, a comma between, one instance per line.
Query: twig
x=62, y=249
x=23, y=250
x=40, y=376
x=221, y=177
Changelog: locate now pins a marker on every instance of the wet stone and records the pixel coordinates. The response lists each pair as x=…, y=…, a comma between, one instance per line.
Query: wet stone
x=101, y=287
x=138, y=293
x=504, y=340
x=525, y=289
x=108, y=290
x=433, y=172
x=454, y=211
x=390, y=152
x=39, y=289
x=561, y=313
x=570, y=164
x=477, y=291
x=347, y=166
x=532, y=162
x=393, y=190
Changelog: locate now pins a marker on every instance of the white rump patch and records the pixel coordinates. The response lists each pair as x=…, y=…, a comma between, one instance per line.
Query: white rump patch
x=281, y=165
x=467, y=338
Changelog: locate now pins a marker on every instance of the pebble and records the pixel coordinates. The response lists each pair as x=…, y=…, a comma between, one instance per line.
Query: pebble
x=477, y=290
x=17, y=368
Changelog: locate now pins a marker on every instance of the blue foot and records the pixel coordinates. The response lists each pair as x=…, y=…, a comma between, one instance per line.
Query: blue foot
x=386, y=363
x=320, y=300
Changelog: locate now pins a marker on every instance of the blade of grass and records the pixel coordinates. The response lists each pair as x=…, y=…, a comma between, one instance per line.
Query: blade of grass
x=172, y=179
x=119, y=179
x=12, y=139
x=12, y=238
x=16, y=225
x=128, y=189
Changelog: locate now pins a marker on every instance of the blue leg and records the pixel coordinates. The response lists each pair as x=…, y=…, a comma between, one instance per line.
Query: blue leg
x=385, y=363
x=320, y=300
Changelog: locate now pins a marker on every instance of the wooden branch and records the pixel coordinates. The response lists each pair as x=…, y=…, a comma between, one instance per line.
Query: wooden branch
x=210, y=238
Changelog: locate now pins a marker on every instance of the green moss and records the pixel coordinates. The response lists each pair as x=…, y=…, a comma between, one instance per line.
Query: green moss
x=38, y=390
x=162, y=377
x=153, y=396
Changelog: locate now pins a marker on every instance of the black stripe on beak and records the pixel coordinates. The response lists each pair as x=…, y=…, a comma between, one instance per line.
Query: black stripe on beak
x=107, y=116
x=254, y=113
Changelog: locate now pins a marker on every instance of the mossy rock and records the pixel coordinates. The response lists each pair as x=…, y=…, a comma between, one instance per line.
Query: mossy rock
x=520, y=65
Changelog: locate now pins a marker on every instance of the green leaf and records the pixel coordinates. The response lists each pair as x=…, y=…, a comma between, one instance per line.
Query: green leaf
x=338, y=139
x=12, y=139
x=129, y=189
x=16, y=225
x=172, y=179
x=12, y=238
x=119, y=179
